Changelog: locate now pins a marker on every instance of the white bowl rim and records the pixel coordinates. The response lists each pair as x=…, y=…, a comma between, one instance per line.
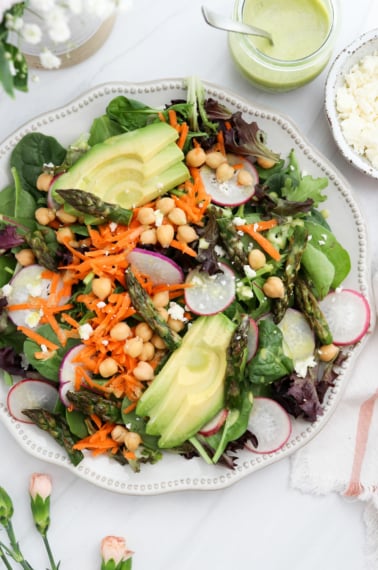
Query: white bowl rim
x=365, y=44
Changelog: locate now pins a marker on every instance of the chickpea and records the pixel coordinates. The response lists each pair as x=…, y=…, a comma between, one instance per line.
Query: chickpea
x=274, y=287
x=146, y=216
x=224, y=172
x=256, y=259
x=177, y=217
x=65, y=217
x=132, y=440
x=120, y=331
x=118, y=433
x=186, y=234
x=175, y=324
x=244, y=177
x=328, y=352
x=102, y=287
x=65, y=235
x=133, y=347
x=25, y=257
x=148, y=237
x=44, y=216
x=148, y=351
x=143, y=331
x=215, y=159
x=165, y=205
x=108, y=367
x=265, y=162
x=160, y=299
x=165, y=234
x=143, y=371
x=158, y=342
x=44, y=181
x=196, y=157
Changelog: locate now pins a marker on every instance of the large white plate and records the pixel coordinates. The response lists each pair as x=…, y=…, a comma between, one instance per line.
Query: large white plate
x=174, y=473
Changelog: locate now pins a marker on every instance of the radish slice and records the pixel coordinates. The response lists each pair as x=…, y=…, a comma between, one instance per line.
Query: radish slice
x=229, y=193
x=348, y=315
x=28, y=283
x=214, y=425
x=30, y=394
x=270, y=424
x=51, y=202
x=210, y=294
x=158, y=267
x=67, y=373
x=298, y=337
x=253, y=339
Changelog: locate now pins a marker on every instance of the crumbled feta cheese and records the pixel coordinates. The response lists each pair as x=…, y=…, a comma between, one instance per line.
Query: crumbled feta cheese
x=85, y=331
x=101, y=305
x=357, y=107
x=301, y=366
x=249, y=272
x=7, y=289
x=34, y=288
x=176, y=312
x=237, y=221
x=219, y=250
x=44, y=348
x=113, y=226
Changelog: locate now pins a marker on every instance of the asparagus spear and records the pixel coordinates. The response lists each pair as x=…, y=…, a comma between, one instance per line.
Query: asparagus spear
x=144, y=306
x=236, y=362
x=297, y=244
x=40, y=249
x=90, y=403
x=89, y=203
x=57, y=427
x=309, y=306
x=231, y=240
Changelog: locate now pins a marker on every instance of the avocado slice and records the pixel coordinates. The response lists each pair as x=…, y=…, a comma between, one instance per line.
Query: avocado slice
x=128, y=169
x=189, y=389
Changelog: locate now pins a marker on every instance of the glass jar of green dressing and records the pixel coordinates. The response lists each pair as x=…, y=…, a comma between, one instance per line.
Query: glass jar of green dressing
x=303, y=34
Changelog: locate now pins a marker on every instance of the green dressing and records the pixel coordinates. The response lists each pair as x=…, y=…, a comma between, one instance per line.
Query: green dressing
x=298, y=27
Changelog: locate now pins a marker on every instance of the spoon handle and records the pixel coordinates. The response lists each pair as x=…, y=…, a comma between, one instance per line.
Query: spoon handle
x=222, y=23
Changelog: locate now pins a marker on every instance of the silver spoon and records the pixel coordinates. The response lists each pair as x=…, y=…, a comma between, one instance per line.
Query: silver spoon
x=223, y=23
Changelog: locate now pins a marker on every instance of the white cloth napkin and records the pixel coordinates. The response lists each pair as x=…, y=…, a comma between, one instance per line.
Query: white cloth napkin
x=343, y=457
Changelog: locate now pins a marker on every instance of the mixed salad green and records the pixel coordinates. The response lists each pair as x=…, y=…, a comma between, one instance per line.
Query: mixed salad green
x=63, y=331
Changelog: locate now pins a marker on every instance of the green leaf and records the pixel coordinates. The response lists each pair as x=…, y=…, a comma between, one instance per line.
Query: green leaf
x=269, y=363
x=326, y=242
x=30, y=154
x=103, y=128
x=6, y=77
x=319, y=269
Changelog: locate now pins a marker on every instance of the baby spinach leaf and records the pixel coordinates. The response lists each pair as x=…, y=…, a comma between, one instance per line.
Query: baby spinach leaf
x=319, y=269
x=130, y=114
x=269, y=363
x=103, y=128
x=30, y=154
x=48, y=368
x=326, y=242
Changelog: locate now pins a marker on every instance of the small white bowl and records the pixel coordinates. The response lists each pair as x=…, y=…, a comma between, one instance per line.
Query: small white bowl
x=364, y=45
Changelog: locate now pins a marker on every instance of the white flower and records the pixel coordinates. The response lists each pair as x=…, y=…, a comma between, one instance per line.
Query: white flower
x=57, y=25
x=75, y=6
x=32, y=33
x=100, y=8
x=49, y=60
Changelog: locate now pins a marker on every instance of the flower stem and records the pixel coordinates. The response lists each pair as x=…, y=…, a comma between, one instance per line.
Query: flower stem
x=53, y=565
x=16, y=551
x=5, y=559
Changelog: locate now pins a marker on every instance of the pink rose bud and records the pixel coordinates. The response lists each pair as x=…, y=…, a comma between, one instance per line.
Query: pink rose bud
x=40, y=484
x=114, y=548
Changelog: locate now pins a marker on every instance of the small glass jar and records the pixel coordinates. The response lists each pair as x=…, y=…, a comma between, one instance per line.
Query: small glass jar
x=280, y=74
x=88, y=34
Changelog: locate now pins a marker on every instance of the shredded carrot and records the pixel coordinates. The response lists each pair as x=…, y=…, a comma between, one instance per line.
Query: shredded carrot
x=220, y=143
x=228, y=125
x=38, y=338
x=172, y=117
x=184, y=247
x=100, y=441
x=261, y=240
x=184, y=131
x=161, y=117
x=129, y=408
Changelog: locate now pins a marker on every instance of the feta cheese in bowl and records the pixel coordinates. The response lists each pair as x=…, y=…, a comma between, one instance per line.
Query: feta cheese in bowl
x=351, y=102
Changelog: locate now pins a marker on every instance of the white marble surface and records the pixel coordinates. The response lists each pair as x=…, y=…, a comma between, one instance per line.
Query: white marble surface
x=260, y=522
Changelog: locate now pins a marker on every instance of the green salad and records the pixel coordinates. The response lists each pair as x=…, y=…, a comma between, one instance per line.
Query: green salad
x=164, y=285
